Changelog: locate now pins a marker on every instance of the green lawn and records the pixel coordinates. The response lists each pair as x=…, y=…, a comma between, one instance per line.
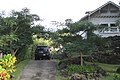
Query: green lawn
x=106, y=67
x=19, y=68
x=110, y=68
x=59, y=77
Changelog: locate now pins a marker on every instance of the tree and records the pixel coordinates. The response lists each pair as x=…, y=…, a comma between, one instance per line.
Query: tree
x=72, y=41
x=68, y=22
x=19, y=24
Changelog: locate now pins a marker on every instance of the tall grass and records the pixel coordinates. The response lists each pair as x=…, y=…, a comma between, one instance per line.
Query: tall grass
x=19, y=68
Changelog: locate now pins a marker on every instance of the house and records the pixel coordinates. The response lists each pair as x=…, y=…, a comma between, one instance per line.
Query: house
x=106, y=15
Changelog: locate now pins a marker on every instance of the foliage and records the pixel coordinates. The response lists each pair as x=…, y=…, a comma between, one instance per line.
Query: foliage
x=71, y=38
x=29, y=52
x=37, y=29
x=7, y=66
x=114, y=44
x=59, y=77
x=7, y=42
x=19, y=68
x=118, y=23
x=82, y=26
x=7, y=38
x=17, y=29
x=78, y=47
x=4, y=74
x=42, y=41
x=71, y=69
x=116, y=77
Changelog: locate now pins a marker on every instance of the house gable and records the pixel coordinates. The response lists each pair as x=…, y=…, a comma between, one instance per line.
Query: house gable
x=109, y=9
x=106, y=15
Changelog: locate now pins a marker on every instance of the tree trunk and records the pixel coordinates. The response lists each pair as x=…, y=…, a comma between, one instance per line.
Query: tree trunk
x=13, y=52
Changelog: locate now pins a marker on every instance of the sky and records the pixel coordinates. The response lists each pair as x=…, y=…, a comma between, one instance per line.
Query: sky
x=54, y=10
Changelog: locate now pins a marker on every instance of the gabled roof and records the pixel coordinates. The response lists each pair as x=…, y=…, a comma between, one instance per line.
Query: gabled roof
x=92, y=12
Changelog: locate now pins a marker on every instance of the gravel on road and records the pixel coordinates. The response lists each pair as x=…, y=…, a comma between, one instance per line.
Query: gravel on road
x=39, y=70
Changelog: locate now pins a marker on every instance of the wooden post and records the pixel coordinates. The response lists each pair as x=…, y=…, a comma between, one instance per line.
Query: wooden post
x=81, y=59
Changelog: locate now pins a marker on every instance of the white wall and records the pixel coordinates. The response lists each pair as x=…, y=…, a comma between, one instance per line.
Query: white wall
x=105, y=21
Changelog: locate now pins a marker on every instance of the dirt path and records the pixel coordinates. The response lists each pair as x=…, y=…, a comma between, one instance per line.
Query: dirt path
x=39, y=70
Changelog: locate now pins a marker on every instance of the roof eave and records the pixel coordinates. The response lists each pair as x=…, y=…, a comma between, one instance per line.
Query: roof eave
x=109, y=2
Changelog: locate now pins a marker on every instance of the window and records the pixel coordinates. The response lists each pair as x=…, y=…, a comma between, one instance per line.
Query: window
x=104, y=28
x=112, y=25
x=104, y=25
x=113, y=29
x=113, y=11
x=109, y=28
x=103, y=11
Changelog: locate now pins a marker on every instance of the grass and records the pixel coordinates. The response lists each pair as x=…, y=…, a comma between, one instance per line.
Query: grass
x=107, y=78
x=106, y=67
x=59, y=77
x=19, y=68
x=58, y=74
x=110, y=68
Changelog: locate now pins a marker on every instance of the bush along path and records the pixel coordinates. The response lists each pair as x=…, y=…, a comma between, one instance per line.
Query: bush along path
x=39, y=70
x=7, y=67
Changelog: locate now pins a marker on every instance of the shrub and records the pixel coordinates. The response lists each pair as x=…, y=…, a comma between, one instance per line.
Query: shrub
x=116, y=77
x=71, y=69
x=118, y=70
x=28, y=52
x=4, y=74
x=7, y=66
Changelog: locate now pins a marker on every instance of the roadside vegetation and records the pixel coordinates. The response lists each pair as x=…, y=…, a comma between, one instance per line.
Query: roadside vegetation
x=19, y=68
x=89, y=56
x=110, y=70
x=16, y=43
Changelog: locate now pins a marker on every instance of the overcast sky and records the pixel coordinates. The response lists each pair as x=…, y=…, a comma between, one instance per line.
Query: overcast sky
x=55, y=10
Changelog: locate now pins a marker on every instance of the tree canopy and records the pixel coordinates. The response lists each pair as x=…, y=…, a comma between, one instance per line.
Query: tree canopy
x=16, y=30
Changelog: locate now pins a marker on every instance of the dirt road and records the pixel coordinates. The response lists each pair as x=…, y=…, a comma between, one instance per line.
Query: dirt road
x=39, y=70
